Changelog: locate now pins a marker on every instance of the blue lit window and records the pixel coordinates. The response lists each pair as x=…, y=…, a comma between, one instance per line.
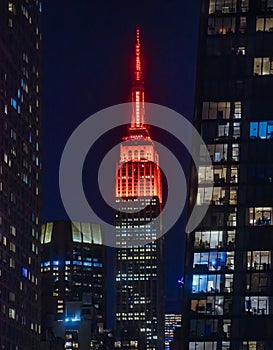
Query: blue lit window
x=87, y=263
x=24, y=272
x=76, y=262
x=14, y=103
x=261, y=130
x=206, y=283
x=56, y=262
x=25, y=179
x=19, y=93
x=67, y=262
x=97, y=264
x=73, y=319
x=47, y=263
x=270, y=129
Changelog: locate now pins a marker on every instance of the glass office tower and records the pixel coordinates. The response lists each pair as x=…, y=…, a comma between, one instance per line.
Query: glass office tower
x=73, y=269
x=20, y=118
x=228, y=292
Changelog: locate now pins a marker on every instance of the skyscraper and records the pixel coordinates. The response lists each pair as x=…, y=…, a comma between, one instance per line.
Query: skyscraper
x=172, y=322
x=73, y=271
x=20, y=118
x=228, y=282
x=139, y=272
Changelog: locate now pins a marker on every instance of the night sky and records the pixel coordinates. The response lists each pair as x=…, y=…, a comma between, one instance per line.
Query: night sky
x=87, y=65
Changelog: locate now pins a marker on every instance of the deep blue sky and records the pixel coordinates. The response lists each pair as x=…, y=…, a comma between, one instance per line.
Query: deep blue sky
x=88, y=56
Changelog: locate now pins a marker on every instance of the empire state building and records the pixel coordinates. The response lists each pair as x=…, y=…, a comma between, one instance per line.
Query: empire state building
x=139, y=257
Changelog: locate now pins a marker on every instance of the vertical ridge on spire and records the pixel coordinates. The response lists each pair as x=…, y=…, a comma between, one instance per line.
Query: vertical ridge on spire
x=137, y=120
x=138, y=63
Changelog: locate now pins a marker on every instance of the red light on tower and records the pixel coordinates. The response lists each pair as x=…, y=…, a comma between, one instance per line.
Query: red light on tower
x=138, y=172
x=138, y=203
x=138, y=65
x=138, y=90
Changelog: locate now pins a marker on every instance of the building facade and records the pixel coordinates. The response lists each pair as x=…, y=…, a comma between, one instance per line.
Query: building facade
x=20, y=118
x=139, y=272
x=228, y=288
x=172, y=321
x=73, y=270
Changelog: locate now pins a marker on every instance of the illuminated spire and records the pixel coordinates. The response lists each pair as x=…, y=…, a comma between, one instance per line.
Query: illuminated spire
x=138, y=64
x=137, y=120
x=138, y=173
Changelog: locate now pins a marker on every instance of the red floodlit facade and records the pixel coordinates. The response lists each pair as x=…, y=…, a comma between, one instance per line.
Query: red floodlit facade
x=139, y=272
x=138, y=172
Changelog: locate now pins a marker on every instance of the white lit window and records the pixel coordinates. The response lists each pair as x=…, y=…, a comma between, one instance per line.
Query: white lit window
x=263, y=66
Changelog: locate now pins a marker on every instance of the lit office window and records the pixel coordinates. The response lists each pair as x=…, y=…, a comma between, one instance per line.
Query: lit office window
x=221, y=25
x=257, y=305
x=219, y=196
x=212, y=283
x=253, y=345
x=235, y=152
x=86, y=232
x=205, y=174
x=76, y=232
x=213, y=261
x=261, y=129
x=212, y=305
x=222, y=6
x=203, y=345
x=216, y=110
x=263, y=66
x=220, y=174
x=264, y=24
x=48, y=232
x=204, y=195
x=217, y=152
x=237, y=110
x=208, y=239
x=259, y=216
x=12, y=313
x=233, y=196
x=236, y=130
x=225, y=345
x=258, y=260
